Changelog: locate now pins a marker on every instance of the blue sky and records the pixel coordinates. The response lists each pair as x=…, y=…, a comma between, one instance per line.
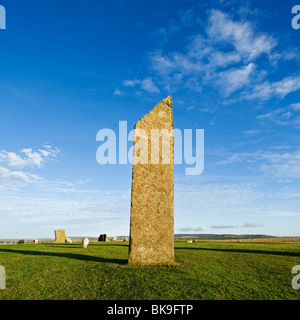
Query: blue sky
x=70, y=69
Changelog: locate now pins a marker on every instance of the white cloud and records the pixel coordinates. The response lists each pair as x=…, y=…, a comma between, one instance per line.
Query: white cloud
x=215, y=195
x=131, y=83
x=284, y=116
x=242, y=35
x=222, y=226
x=14, y=166
x=226, y=56
x=224, y=59
x=190, y=229
x=245, y=225
x=284, y=165
x=253, y=132
x=7, y=175
x=118, y=92
x=295, y=106
x=251, y=225
x=267, y=90
x=40, y=215
x=28, y=157
x=235, y=79
x=146, y=84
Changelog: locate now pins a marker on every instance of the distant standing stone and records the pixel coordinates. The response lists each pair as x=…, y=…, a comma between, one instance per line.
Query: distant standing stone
x=103, y=237
x=85, y=242
x=60, y=236
x=152, y=193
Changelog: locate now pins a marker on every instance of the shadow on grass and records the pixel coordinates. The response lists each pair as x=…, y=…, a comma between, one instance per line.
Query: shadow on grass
x=279, y=253
x=67, y=255
x=76, y=245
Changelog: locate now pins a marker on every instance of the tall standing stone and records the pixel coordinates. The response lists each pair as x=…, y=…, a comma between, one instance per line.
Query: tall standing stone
x=103, y=237
x=152, y=194
x=60, y=236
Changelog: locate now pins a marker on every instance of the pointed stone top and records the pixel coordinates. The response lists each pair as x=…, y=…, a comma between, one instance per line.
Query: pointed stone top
x=164, y=106
x=168, y=101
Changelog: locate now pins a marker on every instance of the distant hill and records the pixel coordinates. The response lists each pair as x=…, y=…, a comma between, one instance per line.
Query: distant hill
x=211, y=235
x=176, y=236
x=198, y=235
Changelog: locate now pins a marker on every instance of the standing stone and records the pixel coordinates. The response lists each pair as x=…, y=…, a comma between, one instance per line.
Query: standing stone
x=85, y=242
x=60, y=236
x=103, y=237
x=152, y=194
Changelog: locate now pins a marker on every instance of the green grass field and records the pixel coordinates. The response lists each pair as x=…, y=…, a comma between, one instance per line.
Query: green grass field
x=203, y=270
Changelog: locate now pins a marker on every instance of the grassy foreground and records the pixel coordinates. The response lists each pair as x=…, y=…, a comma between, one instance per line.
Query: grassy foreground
x=203, y=270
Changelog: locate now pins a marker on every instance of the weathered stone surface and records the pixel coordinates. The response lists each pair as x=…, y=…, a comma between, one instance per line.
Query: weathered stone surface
x=152, y=194
x=60, y=236
x=103, y=237
x=85, y=242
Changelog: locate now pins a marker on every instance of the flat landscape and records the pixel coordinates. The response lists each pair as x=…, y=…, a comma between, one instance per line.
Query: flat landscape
x=204, y=270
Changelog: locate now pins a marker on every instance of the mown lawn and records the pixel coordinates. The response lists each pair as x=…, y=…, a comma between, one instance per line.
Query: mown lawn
x=203, y=270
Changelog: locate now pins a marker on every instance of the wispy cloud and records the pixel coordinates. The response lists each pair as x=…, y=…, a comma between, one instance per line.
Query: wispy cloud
x=28, y=157
x=41, y=215
x=251, y=225
x=221, y=226
x=252, y=132
x=190, y=229
x=289, y=115
x=226, y=56
x=216, y=195
x=7, y=175
x=245, y=225
x=146, y=84
x=118, y=92
x=14, y=166
x=283, y=165
x=248, y=43
x=234, y=79
x=266, y=89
